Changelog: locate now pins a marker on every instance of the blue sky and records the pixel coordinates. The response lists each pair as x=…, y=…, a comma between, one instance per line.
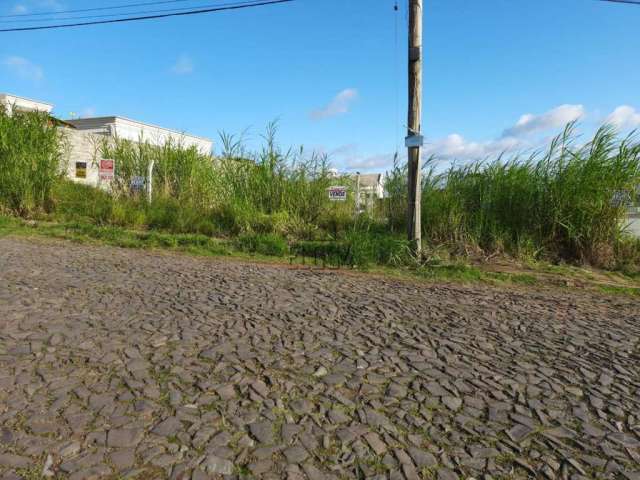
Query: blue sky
x=499, y=74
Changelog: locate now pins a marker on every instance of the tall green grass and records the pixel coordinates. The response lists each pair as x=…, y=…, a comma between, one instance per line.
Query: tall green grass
x=271, y=191
x=560, y=204
x=31, y=152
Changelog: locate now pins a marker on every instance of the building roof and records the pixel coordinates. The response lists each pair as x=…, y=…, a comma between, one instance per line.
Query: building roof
x=11, y=95
x=111, y=119
x=370, y=179
x=25, y=103
x=60, y=123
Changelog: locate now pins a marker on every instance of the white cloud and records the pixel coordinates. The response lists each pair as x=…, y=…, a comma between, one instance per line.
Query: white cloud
x=624, y=117
x=337, y=106
x=518, y=138
x=529, y=134
x=23, y=68
x=183, y=66
x=19, y=9
x=455, y=146
x=555, y=118
x=28, y=5
x=381, y=161
x=344, y=150
x=349, y=157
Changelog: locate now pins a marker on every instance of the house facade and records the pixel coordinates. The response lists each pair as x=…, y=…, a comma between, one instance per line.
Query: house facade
x=83, y=137
x=372, y=185
x=370, y=188
x=87, y=134
x=632, y=225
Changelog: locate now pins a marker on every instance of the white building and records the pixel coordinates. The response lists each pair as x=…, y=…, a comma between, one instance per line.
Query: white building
x=134, y=130
x=84, y=136
x=13, y=102
x=632, y=223
x=87, y=134
x=370, y=187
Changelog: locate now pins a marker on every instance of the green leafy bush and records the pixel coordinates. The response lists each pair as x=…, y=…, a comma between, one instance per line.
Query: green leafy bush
x=78, y=202
x=31, y=153
x=264, y=244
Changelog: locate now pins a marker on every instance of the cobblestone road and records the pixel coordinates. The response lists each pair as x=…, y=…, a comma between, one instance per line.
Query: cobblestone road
x=128, y=364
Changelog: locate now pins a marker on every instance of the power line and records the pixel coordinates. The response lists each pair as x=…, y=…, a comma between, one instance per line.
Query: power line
x=112, y=15
x=628, y=2
x=148, y=17
x=95, y=9
x=164, y=2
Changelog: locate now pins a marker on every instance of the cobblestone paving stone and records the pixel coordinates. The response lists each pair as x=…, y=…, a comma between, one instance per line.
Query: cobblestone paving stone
x=129, y=364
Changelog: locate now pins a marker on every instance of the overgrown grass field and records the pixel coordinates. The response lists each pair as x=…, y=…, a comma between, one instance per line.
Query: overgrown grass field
x=566, y=204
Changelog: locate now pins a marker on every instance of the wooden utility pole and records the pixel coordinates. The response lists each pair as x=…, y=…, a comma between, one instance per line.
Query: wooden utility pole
x=414, y=135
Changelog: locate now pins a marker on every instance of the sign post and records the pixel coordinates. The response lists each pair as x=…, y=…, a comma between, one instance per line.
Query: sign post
x=337, y=194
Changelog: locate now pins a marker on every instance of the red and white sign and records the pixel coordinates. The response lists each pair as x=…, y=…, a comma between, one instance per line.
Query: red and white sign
x=107, y=169
x=338, y=194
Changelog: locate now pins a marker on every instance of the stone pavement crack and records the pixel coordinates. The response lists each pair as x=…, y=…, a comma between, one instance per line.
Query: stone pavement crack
x=121, y=363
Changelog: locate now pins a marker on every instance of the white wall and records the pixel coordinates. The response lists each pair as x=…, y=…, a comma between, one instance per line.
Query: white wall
x=82, y=147
x=19, y=103
x=633, y=222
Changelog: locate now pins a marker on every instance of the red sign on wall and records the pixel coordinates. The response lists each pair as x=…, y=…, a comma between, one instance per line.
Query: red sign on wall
x=107, y=169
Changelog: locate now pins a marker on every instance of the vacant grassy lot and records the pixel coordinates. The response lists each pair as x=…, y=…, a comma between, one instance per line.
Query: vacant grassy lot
x=562, y=205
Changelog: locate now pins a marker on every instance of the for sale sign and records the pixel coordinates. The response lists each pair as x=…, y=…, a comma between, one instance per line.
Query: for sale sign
x=107, y=169
x=338, y=194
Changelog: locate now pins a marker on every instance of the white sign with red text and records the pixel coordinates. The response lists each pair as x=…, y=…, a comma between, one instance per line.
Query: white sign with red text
x=338, y=194
x=107, y=169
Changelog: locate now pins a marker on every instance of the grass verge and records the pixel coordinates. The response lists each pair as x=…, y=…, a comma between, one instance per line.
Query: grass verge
x=201, y=245
x=616, y=290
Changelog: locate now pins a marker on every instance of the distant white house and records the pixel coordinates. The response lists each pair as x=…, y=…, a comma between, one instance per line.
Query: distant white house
x=632, y=222
x=370, y=187
x=15, y=103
